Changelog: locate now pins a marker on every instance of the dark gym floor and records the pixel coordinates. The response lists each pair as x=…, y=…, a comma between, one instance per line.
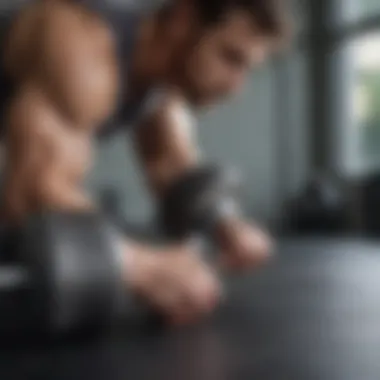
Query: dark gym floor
x=313, y=313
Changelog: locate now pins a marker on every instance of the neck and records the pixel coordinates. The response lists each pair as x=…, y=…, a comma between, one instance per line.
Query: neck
x=151, y=61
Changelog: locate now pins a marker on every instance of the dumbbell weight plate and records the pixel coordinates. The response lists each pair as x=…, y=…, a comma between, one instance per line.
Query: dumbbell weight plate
x=73, y=279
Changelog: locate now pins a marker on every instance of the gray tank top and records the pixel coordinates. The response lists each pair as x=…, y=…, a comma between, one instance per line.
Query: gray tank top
x=125, y=22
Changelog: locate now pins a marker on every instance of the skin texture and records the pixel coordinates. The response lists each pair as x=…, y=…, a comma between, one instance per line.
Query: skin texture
x=60, y=98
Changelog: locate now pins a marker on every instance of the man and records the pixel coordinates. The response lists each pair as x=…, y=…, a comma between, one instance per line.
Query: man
x=74, y=69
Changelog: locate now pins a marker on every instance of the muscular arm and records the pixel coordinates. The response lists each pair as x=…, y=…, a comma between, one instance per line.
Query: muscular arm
x=165, y=143
x=36, y=164
x=67, y=89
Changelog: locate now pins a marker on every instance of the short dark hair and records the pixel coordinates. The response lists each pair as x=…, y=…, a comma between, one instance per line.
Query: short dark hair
x=270, y=16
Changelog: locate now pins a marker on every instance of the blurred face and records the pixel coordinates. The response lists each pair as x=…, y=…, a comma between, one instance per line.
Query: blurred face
x=217, y=65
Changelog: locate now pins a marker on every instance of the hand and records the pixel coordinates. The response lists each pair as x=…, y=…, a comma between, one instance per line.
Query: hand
x=243, y=246
x=177, y=283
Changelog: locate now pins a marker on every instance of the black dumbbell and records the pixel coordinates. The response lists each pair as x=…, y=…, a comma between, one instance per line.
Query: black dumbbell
x=67, y=276
x=197, y=201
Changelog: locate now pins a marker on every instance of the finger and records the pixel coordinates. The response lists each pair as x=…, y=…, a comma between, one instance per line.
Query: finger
x=205, y=292
x=182, y=313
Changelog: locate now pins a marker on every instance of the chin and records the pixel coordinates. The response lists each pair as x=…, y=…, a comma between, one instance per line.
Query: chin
x=213, y=100
x=203, y=100
x=198, y=102
x=204, y=103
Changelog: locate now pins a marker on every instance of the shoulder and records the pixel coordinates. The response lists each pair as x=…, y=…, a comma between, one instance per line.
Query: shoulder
x=69, y=51
x=45, y=21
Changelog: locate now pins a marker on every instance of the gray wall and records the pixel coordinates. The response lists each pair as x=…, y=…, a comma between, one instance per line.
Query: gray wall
x=293, y=122
x=116, y=166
